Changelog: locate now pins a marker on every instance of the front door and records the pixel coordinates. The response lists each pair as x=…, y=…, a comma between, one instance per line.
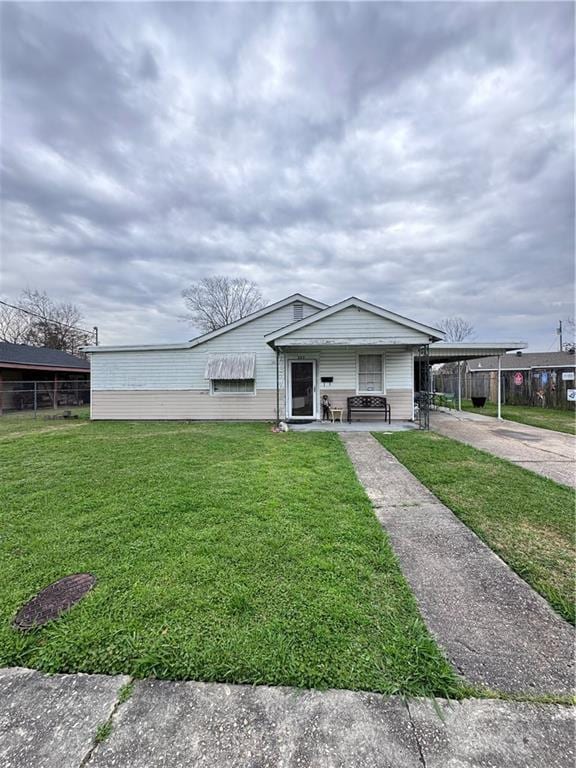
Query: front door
x=302, y=389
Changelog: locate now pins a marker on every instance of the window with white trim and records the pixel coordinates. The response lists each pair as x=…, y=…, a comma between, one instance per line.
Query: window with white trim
x=232, y=387
x=370, y=373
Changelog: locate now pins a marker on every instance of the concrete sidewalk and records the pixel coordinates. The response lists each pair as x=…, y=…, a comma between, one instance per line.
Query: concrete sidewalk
x=53, y=722
x=493, y=627
x=548, y=453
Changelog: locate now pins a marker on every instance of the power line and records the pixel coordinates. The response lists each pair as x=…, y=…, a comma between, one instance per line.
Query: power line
x=552, y=344
x=49, y=320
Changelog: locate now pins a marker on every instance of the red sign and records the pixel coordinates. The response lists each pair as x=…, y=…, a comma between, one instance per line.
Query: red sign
x=518, y=379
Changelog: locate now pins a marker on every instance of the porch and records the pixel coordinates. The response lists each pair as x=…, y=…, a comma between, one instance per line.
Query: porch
x=318, y=376
x=357, y=349
x=379, y=425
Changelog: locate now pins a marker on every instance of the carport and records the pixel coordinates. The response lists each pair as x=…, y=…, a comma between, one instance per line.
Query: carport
x=457, y=352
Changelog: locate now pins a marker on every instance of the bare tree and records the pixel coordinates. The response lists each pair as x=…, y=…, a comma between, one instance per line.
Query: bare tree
x=456, y=328
x=217, y=301
x=570, y=345
x=42, y=322
x=13, y=325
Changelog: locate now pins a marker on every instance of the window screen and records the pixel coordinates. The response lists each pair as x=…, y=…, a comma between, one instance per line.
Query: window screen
x=370, y=373
x=233, y=386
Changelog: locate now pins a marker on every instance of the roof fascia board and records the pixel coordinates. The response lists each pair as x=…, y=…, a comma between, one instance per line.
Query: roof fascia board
x=456, y=346
x=352, y=341
x=46, y=367
x=137, y=348
x=361, y=304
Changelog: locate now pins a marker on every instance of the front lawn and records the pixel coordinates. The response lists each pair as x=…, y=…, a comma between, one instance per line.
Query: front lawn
x=526, y=519
x=222, y=552
x=547, y=418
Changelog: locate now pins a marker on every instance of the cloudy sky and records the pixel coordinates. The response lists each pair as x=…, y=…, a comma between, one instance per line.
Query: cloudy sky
x=417, y=155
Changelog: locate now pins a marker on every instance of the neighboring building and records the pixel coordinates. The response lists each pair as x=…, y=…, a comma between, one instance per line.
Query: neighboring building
x=57, y=375
x=275, y=363
x=528, y=378
x=525, y=361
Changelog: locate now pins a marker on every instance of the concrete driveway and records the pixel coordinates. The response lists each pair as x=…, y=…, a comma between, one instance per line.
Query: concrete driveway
x=550, y=454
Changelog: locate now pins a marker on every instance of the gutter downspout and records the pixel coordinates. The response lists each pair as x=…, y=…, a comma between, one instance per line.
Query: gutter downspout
x=277, y=386
x=499, y=416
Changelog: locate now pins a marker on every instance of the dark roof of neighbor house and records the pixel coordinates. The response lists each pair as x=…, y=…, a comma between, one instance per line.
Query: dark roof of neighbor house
x=522, y=361
x=41, y=357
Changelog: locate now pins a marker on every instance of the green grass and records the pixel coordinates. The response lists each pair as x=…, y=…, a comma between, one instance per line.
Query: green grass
x=526, y=519
x=547, y=418
x=103, y=732
x=222, y=552
x=22, y=422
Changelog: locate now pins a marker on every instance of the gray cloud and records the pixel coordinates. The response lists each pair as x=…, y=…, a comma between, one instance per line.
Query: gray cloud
x=420, y=156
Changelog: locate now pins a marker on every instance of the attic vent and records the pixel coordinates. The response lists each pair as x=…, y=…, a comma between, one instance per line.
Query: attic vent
x=298, y=310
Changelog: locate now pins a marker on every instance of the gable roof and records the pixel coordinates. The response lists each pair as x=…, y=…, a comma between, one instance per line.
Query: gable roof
x=42, y=357
x=525, y=361
x=434, y=333
x=295, y=297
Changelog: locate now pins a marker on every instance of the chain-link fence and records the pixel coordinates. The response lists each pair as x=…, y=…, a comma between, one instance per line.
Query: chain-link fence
x=546, y=389
x=35, y=396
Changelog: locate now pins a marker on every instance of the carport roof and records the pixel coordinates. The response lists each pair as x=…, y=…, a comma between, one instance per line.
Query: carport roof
x=452, y=351
x=44, y=358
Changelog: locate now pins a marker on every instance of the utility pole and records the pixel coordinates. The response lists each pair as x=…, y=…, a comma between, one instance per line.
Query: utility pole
x=96, y=335
x=559, y=332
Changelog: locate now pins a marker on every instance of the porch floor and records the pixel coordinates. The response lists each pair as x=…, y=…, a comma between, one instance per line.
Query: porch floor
x=356, y=426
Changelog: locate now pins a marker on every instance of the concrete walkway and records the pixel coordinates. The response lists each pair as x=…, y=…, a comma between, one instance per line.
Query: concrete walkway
x=548, y=453
x=493, y=627
x=53, y=722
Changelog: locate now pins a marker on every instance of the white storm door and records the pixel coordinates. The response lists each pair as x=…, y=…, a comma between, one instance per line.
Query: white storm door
x=302, y=389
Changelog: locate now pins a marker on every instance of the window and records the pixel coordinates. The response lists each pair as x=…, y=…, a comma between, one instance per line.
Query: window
x=370, y=376
x=232, y=387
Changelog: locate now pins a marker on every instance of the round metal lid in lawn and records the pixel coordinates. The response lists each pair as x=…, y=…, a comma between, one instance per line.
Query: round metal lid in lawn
x=52, y=601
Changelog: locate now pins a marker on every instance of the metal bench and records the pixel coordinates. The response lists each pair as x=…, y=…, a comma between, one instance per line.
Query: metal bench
x=369, y=404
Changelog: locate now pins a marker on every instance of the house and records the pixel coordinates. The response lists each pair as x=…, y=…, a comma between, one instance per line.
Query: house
x=56, y=377
x=526, y=361
x=275, y=363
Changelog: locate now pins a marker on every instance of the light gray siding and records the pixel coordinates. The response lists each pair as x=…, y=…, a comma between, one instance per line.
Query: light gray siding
x=185, y=368
x=356, y=323
x=342, y=362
